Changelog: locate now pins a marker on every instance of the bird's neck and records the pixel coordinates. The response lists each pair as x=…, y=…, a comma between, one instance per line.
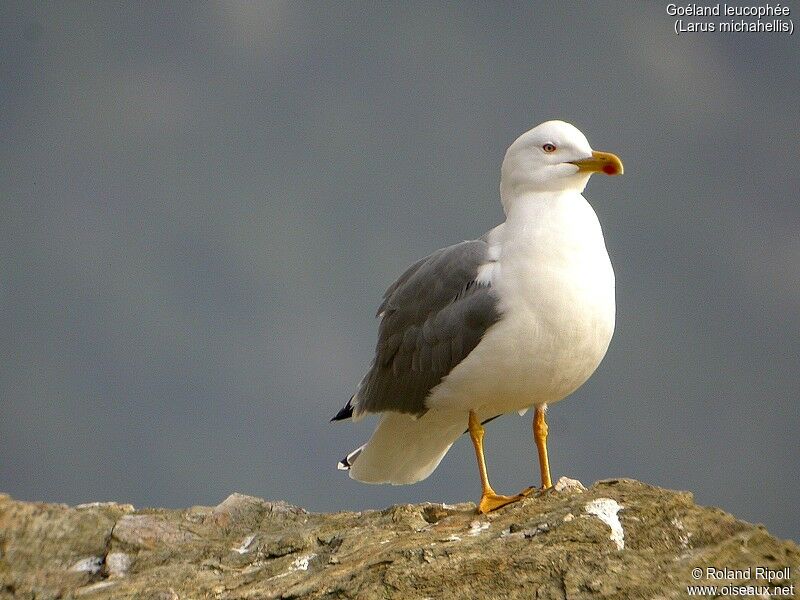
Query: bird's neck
x=533, y=207
x=514, y=192
x=551, y=219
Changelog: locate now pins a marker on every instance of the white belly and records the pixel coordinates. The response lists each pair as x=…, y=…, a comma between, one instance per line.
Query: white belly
x=556, y=286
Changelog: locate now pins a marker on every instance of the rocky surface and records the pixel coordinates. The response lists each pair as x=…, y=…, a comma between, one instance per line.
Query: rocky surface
x=618, y=539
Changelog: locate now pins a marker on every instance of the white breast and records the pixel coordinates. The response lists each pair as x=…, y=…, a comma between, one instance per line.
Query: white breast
x=556, y=289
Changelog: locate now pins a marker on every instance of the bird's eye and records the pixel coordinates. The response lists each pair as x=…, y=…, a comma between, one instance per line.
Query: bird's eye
x=548, y=147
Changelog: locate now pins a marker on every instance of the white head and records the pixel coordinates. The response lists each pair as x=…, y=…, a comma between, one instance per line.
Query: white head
x=552, y=157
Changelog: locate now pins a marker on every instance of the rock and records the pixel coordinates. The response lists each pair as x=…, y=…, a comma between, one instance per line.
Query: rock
x=117, y=564
x=238, y=510
x=148, y=531
x=46, y=549
x=619, y=538
x=565, y=484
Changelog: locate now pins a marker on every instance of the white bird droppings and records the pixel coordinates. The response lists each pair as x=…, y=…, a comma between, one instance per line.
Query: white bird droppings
x=92, y=565
x=606, y=510
x=90, y=589
x=476, y=527
x=244, y=547
x=683, y=535
x=301, y=563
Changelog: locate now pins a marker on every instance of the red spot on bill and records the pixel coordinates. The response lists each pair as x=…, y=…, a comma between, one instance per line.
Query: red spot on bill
x=610, y=169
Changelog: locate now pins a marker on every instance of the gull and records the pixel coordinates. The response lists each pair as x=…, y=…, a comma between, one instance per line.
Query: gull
x=517, y=319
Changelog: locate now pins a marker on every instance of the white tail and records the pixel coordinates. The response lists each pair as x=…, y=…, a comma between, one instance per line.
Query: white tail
x=405, y=449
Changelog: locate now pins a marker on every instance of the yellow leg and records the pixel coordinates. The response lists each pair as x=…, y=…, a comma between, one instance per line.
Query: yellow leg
x=489, y=499
x=540, y=435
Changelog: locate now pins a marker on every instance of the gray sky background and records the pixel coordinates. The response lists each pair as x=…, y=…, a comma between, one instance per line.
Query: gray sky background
x=202, y=204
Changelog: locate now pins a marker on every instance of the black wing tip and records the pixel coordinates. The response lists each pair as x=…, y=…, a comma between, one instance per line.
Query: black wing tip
x=486, y=421
x=345, y=413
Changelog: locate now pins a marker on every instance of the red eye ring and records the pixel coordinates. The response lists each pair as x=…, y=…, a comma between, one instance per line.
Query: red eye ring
x=548, y=147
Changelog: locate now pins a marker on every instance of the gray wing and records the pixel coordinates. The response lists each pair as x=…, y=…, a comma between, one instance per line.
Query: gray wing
x=432, y=317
